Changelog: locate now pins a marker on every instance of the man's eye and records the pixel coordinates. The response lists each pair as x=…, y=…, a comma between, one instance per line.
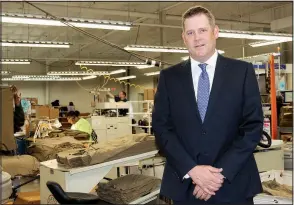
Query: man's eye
x=190, y=33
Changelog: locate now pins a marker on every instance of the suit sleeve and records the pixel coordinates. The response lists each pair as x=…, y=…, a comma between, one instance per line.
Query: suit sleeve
x=250, y=129
x=165, y=135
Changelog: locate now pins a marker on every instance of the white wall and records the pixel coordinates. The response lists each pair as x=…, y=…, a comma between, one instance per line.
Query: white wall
x=28, y=89
x=63, y=91
x=67, y=92
x=32, y=90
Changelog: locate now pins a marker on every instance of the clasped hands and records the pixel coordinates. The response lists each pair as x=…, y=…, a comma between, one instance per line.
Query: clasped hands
x=207, y=180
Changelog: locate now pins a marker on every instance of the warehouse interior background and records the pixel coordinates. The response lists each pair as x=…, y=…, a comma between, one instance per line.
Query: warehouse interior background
x=153, y=24
x=49, y=53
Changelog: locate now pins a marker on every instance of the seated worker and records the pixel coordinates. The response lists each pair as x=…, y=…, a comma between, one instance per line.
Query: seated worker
x=70, y=107
x=122, y=97
x=18, y=114
x=80, y=124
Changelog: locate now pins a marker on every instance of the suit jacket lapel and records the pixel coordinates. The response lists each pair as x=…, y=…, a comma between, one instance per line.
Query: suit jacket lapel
x=188, y=86
x=216, y=89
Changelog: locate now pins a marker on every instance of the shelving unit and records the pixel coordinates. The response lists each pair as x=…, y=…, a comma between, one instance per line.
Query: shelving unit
x=148, y=112
x=108, y=128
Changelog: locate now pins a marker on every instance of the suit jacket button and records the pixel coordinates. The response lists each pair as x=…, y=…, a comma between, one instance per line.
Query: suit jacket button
x=204, y=132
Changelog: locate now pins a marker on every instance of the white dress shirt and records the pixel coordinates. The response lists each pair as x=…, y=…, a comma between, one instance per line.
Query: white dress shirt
x=196, y=72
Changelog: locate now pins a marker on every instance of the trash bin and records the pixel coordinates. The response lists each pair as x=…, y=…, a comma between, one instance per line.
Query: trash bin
x=21, y=146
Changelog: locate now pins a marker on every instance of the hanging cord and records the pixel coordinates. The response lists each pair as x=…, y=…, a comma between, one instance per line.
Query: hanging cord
x=138, y=56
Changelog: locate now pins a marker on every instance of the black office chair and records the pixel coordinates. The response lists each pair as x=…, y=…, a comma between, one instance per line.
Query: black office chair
x=63, y=197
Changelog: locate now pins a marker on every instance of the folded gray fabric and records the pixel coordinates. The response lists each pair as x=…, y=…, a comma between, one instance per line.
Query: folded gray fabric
x=105, y=151
x=128, y=188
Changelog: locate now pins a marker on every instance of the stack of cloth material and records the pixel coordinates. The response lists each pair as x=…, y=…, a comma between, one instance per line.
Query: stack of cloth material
x=286, y=116
x=69, y=133
x=117, y=148
x=23, y=165
x=128, y=188
x=274, y=188
x=47, y=149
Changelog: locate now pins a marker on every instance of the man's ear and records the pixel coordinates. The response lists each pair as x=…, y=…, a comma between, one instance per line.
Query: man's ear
x=183, y=37
x=216, y=31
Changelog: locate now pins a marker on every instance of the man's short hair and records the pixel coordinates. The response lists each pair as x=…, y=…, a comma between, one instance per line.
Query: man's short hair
x=196, y=10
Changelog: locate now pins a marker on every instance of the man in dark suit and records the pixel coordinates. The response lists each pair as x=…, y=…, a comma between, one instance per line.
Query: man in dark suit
x=207, y=121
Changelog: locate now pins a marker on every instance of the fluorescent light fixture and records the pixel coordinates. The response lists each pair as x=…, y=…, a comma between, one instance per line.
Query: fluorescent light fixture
x=4, y=72
x=187, y=57
x=109, y=63
x=255, y=35
x=117, y=71
x=34, y=76
x=126, y=77
x=77, y=22
x=77, y=73
x=264, y=43
x=144, y=66
x=35, y=44
x=89, y=77
x=156, y=49
x=152, y=73
x=9, y=79
x=53, y=79
x=40, y=78
x=263, y=56
x=15, y=61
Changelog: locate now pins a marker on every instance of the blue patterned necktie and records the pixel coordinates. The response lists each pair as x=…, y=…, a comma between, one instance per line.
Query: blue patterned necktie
x=203, y=91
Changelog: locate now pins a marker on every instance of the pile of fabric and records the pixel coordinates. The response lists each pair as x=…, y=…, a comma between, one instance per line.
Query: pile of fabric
x=286, y=116
x=126, y=189
x=274, y=188
x=71, y=133
x=47, y=149
x=119, y=147
x=23, y=165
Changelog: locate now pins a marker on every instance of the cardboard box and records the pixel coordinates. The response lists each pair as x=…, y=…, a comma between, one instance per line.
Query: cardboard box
x=42, y=111
x=145, y=94
x=34, y=101
x=46, y=111
x=7, y=129
x=149, y=94
x=53, y=113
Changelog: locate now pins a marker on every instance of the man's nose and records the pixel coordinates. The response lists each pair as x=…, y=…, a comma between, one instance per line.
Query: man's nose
x=196, y=37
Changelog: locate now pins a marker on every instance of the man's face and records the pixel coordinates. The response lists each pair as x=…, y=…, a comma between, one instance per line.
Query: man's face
x=200, y=37
x=121, y=95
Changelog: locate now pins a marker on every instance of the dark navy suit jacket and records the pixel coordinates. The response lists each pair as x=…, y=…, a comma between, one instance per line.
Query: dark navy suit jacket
x=226, y=139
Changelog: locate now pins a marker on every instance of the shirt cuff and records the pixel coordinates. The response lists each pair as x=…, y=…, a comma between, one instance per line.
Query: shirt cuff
x=186, y=176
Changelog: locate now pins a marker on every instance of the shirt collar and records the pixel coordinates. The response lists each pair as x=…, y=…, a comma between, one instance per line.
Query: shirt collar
x=211, y=61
